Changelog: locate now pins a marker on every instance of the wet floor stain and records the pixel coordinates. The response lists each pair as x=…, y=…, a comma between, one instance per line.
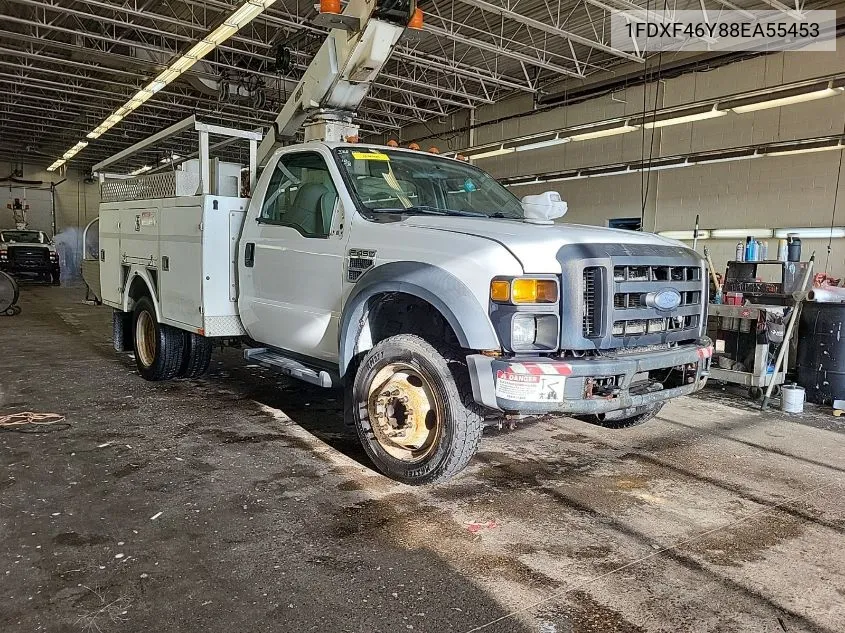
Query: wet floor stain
x=747, y=541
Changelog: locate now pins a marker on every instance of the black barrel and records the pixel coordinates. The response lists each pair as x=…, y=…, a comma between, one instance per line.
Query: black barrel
x=821, y=352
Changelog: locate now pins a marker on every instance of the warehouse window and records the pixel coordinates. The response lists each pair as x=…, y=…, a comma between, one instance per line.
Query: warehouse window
x=301, y=195
x=631, y=224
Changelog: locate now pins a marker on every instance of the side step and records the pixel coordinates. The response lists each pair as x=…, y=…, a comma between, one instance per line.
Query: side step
x=283, y=364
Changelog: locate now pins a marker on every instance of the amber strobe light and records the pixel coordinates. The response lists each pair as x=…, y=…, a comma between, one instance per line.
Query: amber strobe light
x=416, y=21
x=330, y=6
x=524, y=290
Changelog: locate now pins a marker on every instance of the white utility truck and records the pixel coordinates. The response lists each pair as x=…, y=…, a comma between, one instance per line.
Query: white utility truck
x=440, y=301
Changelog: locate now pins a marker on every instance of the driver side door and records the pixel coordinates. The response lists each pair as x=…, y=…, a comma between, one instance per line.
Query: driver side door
x=292, y=253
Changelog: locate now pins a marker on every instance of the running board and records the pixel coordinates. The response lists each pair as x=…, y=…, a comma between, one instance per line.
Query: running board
x=283, y=364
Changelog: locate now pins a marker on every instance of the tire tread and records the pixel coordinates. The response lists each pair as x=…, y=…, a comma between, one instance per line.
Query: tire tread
x=467, y=414
x=196, y=356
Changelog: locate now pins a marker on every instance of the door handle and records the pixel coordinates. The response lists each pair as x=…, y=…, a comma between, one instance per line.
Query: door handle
x=249, y=255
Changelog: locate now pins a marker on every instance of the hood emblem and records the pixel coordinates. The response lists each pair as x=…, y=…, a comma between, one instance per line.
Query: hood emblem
x=664, y=300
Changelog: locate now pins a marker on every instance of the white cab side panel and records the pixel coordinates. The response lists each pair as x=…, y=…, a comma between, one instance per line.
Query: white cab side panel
x=291, y=297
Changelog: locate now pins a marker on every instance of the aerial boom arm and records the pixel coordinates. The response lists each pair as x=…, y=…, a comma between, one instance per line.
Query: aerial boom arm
x=339, y=77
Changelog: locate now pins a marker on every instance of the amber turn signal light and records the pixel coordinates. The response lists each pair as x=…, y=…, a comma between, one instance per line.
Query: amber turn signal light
x=500, y=290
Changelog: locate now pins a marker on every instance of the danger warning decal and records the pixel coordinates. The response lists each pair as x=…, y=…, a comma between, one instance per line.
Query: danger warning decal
x=529, y=387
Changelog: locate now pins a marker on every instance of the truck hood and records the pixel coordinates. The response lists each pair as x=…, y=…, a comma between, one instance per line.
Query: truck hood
x=536, y=246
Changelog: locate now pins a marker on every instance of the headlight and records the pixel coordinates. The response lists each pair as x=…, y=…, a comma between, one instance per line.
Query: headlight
x=524, y=290
x=523, y=331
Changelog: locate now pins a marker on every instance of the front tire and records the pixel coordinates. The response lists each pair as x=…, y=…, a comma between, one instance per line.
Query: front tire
x=158, y=347
x=413, y=409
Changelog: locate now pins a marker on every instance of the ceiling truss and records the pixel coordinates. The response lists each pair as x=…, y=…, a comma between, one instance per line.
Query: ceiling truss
x=66, y=64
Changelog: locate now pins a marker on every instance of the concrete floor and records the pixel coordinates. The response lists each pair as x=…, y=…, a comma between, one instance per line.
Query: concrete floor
x=713, y=517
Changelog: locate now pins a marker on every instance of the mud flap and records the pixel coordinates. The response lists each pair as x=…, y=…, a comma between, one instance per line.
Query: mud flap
x=122, y=331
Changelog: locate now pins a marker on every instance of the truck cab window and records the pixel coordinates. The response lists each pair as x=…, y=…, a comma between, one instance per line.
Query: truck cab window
x=301, y=195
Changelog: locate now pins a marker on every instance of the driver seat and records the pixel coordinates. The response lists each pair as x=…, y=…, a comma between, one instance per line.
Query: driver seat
x=312, y=209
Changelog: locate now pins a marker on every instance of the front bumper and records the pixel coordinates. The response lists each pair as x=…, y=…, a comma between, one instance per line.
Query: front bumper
x=31, y=268
x=539, y=385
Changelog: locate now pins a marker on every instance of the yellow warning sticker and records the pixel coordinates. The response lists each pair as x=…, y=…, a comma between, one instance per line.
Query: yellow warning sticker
x=370, y=156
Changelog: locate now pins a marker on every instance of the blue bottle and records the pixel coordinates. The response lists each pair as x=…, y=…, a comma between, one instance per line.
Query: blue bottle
x=751, y=250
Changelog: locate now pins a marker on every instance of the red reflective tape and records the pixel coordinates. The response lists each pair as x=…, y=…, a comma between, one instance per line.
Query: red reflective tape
x=562, y=369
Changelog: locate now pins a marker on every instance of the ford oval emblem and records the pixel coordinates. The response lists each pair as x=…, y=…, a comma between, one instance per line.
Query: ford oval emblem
x=664, y=300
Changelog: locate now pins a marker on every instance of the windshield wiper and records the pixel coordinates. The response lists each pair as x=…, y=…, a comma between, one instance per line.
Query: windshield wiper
x=422, y=209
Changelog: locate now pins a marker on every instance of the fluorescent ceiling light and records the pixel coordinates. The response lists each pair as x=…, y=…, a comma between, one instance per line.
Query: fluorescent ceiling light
x=740, y=233
x=825, y=232
x=140, y=170
x=73, y=151
x=174, y=157
x=703, y=234
x=585, y=136
x=56, y=165
x=245, y=13
x=167, y=76
x=238, y=18
x=494, y=152
x=221, y=33
x=541, y=144
x=725, y=159
x=181, y=65
x=683, y=163
x=155, y=85
x=688, y=118
x=200, y=50
x=805, y=150
x=785, y=101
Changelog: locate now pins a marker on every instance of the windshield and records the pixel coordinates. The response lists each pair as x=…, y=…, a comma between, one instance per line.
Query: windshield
x=23, y=237
x=385, y=181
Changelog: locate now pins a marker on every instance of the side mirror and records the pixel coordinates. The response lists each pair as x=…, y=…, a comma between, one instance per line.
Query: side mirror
x=543, y=208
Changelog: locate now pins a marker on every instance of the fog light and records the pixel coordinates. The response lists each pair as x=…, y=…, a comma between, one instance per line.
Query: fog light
x=523, y=331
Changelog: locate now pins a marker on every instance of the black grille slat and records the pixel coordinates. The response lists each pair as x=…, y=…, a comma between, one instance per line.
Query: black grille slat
x=590, y=290
x=636, y=300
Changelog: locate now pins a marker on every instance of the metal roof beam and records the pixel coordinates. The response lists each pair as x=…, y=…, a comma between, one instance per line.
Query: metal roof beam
x=550, y=29
x=500, y=50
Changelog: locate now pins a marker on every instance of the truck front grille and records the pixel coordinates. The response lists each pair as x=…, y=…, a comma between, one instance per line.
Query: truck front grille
x=590, y=290
x=28, y=256
x=632, y=284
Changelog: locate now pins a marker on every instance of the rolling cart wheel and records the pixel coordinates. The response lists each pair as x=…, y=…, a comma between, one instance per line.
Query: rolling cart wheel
x=755, y=393
x=776, y=391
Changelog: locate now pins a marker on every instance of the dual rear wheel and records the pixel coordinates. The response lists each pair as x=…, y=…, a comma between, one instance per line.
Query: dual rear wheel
x=163, y=352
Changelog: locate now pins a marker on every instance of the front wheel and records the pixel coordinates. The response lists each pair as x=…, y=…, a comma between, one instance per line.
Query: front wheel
x=413, y=409
x=158, y=347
